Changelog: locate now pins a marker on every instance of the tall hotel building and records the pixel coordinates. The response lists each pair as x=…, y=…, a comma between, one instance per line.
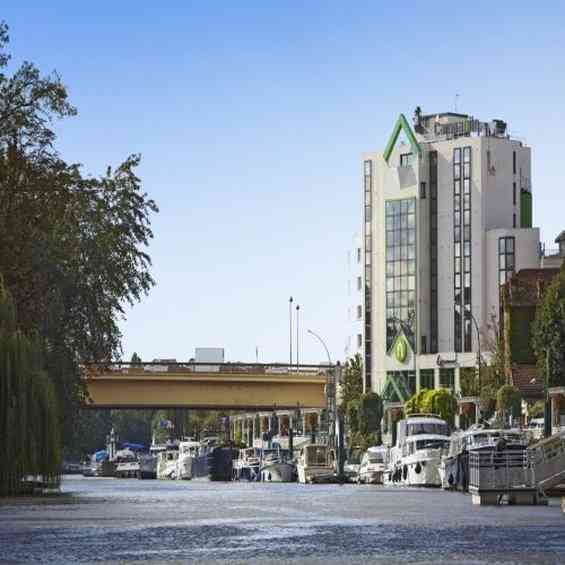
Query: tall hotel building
x=447, y=219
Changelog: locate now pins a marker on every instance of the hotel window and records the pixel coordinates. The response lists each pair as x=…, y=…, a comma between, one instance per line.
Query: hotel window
x=406, y=159
x=447, y=378
x=359, y=341
x=368, y=195
x=423, y=344
x=514, y=162
x=359, y=283
x=359, y=312
x=433, y=254
x=422, y=190
x=358, y=255
x=514, y=193
x=513, y=220
x=427, y=379
x=462, y=248
x=506, y=256
x=400, y=265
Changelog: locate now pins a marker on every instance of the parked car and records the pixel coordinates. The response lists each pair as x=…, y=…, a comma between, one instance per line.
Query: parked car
x=373, y=465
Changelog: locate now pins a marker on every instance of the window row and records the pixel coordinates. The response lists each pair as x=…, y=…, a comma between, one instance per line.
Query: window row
x=400, y=299
x=396, y=207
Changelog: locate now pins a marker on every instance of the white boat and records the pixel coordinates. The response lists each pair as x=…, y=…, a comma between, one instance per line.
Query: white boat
x=276, y=466
x=421, y=442
x=193, y=459
x=454, y=469
x=316, y=463
x=373, y=465
x=167, y=462
x=127, y=464
x=247, y=465
x=148, y=461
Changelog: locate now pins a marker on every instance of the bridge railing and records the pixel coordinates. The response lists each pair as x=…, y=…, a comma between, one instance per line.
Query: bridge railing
x=151, y=368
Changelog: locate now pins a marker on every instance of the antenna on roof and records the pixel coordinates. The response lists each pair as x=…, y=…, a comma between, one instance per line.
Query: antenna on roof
x=456, y=101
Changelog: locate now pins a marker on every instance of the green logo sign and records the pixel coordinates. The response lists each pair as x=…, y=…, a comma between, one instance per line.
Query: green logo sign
x=400, y=349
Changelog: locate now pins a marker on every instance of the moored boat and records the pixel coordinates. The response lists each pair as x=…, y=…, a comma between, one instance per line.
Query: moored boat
x=277, y=467
x=373, y=465
x=127, y=464
x=167, y=461
x=316, y=463
x=422, y=440
x=247, y=465
x=193, y=460
x=454, y=468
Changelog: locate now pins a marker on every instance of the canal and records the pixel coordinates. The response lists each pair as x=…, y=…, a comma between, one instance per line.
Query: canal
x=109, y=520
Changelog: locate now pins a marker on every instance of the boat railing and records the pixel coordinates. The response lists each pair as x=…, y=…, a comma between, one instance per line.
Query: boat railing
x=500, y=471
x=548, y=457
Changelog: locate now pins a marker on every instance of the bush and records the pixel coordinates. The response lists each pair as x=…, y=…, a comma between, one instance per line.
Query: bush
x=440, y=402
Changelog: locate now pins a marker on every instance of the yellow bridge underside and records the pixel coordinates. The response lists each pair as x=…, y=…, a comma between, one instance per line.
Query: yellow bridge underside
x=205, y=390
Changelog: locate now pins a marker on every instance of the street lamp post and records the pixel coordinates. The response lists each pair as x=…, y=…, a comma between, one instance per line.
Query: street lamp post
x=332, y=412
x=297, y=336
x=290, y=330
x=324, y=345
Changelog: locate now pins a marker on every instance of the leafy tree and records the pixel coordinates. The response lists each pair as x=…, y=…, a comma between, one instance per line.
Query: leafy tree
x=370, y=413
x=414, y=404
x=29, y=429
x=351, y=385
x=135, y=358
x=438, y=401
x=353, y=415
x=71, y=246
x=536, y=410
x=509, y=402
x=549, y=332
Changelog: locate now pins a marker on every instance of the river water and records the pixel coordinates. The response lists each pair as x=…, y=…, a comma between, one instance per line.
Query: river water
x=112, y=520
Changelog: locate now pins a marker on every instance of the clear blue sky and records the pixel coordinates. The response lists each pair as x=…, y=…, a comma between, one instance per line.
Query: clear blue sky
x=251, y=118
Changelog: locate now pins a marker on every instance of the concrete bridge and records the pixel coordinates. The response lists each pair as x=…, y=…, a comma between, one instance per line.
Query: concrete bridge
x=225, y=386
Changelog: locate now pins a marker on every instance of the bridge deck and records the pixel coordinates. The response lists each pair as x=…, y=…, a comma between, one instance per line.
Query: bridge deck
x=244, y=389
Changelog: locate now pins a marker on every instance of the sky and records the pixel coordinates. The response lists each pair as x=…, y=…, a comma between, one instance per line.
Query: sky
x=251, y=118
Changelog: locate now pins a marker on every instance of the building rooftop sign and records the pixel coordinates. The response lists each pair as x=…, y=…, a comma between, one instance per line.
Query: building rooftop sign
x=401, y=125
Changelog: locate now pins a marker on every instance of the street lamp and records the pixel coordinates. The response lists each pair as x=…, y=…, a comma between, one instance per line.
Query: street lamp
x=290, y=330
x=297, y=336
x=323, y=343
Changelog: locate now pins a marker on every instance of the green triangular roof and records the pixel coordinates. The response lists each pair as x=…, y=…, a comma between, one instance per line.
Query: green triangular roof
x=401, y=125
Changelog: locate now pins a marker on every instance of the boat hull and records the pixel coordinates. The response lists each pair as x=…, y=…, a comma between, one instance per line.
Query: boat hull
x=419, y=470
x=193, y=467
x=311, y=475
x=278, y=473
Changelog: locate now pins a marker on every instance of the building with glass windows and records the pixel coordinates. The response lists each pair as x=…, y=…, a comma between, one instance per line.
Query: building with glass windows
x=354, y=339
x=447, y=220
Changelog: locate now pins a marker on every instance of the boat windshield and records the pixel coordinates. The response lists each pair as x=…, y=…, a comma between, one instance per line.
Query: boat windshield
x=432, y=444
x=431, y=428
x=316, y=455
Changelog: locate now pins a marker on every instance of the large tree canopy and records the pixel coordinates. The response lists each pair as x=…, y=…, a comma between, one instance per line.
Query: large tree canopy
x=549, y=332
x=72, y=246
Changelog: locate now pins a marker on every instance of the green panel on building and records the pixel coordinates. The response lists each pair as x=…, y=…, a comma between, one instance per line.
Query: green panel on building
x=525, y=209
x=521, y=321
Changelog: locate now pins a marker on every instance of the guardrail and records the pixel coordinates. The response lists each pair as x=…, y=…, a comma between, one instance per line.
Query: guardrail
x=500, y=471
x=548, y=458
x=94, y=369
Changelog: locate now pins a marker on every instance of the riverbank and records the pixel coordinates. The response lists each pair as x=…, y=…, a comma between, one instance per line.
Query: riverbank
x=159, y=521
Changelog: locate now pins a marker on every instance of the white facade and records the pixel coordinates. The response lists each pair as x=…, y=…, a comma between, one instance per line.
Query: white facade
x=444, y=225
x=354, y=340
